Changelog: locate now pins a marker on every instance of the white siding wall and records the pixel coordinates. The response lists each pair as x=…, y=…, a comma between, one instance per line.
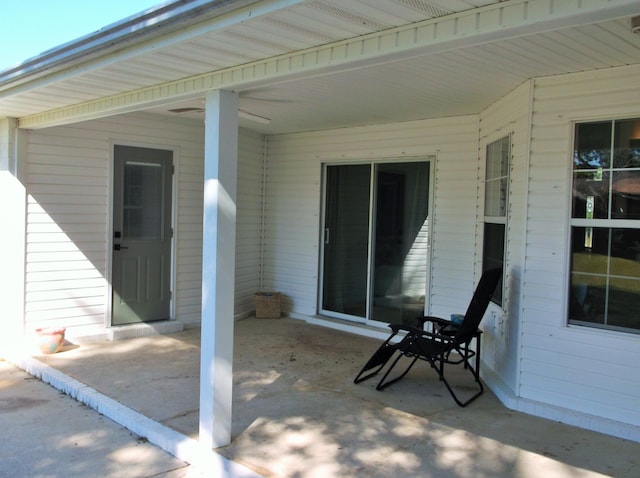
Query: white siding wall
x=508, y=116
x=68, y=198
x=293, y=202
x=577, y=368
x=68, y=186
x=588, y=370
x=249, y=232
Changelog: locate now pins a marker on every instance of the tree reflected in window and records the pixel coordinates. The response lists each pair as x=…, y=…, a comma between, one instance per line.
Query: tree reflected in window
x=605, y=255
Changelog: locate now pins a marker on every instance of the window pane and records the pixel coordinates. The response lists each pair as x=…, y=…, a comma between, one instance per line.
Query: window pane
x=400, y=242
x=625, y=253
x=142, y=208
x=605, y=277
x=498, y=158
x=589, y=250
x=626, y=144
x=495, y=199
x=624, y=299
x=346, y=237
x=589, y=265
x=625, y=197
x=592, y=146
x=505, y=152
x=493, y=253
x=587, y=298
x=591, y=194
x=497, y=174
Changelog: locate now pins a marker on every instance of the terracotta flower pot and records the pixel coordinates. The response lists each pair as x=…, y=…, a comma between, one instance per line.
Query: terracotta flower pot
x=50, y=339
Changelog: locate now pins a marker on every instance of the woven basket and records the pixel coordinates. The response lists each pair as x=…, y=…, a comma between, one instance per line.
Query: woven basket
x=268, y=305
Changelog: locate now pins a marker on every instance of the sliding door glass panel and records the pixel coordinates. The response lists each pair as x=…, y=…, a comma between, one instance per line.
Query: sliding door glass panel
x=400, y=242
x=346, y=238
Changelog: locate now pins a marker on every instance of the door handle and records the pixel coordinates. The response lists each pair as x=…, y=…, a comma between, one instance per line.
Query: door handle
x=117, y=247
x=326, y=235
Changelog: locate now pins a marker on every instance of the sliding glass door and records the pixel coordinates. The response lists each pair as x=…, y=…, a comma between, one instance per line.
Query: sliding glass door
x=346, y=237
x=376, y=241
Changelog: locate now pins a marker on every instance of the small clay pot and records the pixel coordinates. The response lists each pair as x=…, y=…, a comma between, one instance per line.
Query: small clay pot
x=50, y=339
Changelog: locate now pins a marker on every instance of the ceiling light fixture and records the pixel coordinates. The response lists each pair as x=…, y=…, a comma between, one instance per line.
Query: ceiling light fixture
x=186, y=110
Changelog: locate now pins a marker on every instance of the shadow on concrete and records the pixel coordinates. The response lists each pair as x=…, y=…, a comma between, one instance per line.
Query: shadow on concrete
x=297, y=413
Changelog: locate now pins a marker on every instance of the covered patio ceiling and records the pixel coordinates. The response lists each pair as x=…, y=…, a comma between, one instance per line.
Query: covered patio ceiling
x=318, y=64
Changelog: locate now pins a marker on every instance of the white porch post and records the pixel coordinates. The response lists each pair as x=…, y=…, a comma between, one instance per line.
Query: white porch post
x=218, y=267
x=12, y=239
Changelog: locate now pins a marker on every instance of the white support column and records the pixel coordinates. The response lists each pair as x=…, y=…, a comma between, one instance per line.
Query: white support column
x=218, y=267
x=12, y=239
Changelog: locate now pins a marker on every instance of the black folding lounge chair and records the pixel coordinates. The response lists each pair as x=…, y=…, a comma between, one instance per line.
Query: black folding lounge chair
x=438, y=343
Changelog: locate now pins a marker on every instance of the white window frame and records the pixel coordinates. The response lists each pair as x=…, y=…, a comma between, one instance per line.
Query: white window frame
x=608, y=223
x=497, y=213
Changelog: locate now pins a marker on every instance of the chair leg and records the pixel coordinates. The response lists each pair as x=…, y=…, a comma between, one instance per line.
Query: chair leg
x=477, y=355
x=476, y=377
x=384, y=353
x=468, y=401
x=465, y=352
x=382, y=385
x=377, y=362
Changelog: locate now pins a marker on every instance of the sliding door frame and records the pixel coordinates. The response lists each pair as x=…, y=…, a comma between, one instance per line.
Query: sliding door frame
x=431, y=161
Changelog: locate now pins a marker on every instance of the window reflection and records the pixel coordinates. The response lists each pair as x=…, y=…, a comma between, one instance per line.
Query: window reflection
x=605, y=279
x=142, y=208
x=623, y=302
x=592, y=146
x=605, y=260
x=590, y=247
x=625, y=198
x=591, y=194
x=495, y=208
x=626, y=144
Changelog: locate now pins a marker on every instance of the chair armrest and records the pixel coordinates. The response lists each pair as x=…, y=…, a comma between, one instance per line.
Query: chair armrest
x=401, y=327
x=434, y=320
x=420, y=333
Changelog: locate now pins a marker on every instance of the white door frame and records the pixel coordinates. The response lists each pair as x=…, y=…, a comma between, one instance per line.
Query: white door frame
x=431, y=160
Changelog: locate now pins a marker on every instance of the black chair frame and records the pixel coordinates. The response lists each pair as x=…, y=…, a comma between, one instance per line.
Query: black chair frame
x=436, y=344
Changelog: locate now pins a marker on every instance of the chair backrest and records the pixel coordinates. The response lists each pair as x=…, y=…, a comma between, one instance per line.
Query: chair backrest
x=479, y=303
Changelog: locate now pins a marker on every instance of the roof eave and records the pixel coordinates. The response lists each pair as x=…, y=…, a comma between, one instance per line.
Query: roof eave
x=146, y=25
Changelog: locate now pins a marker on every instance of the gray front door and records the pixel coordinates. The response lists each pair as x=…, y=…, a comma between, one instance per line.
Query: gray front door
x=141, y=268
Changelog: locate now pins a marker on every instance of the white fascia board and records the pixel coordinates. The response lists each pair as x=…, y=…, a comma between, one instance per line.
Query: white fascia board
x=89, y=54
x=499, y=21
x=158, y=26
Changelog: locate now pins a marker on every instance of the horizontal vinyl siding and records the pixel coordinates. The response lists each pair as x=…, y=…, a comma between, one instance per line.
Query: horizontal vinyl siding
x=188, y=236
x=291, y=225
x=453, y=253
x=589, y=370
x=68, y=186
x=67, y=201
x=251, y=149
x=508, y=116
x=294, y=189
x=69, y=171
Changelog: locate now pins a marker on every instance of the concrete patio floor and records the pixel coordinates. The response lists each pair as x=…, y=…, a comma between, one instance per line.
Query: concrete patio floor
x=297, y=413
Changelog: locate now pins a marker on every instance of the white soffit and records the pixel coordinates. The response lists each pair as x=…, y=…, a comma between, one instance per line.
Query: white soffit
x=423, y=69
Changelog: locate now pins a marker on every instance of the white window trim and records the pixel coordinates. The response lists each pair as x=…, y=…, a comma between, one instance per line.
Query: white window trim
x=487, y=219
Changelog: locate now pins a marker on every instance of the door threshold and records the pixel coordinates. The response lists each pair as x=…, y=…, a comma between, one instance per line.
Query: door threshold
x=130, y=331
x=348, y=326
